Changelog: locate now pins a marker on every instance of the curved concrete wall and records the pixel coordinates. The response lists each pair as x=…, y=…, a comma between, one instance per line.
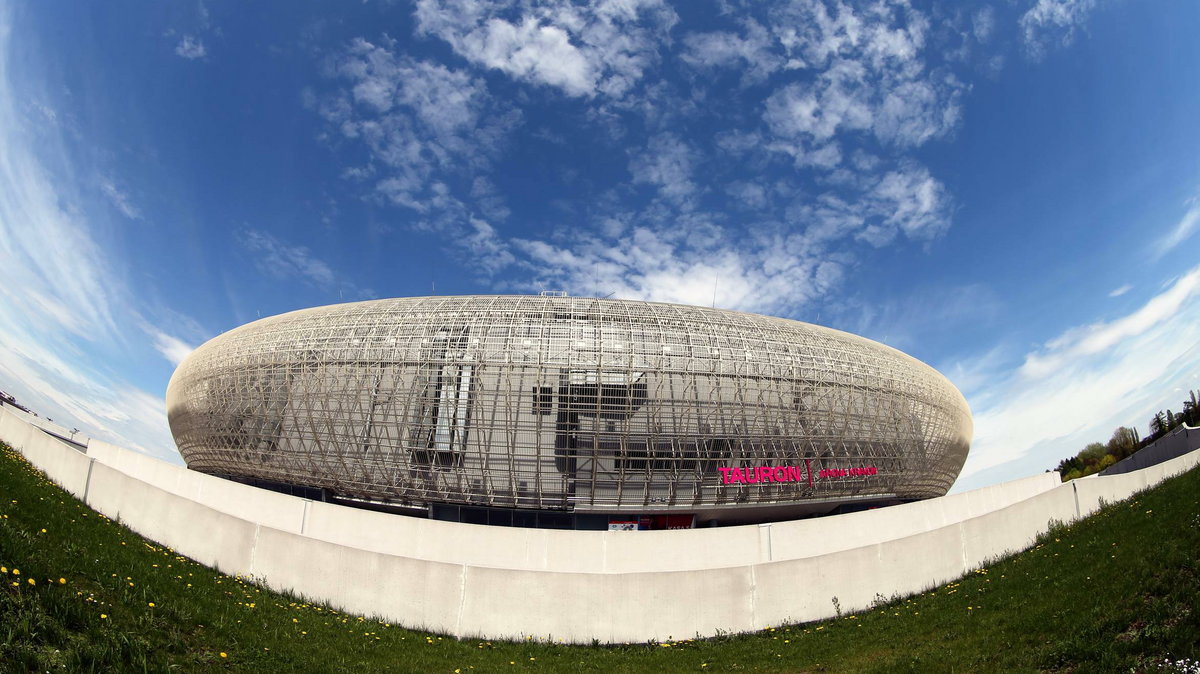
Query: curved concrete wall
x=577, y=586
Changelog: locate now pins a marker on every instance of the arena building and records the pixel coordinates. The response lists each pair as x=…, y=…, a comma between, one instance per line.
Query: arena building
x=566, y=412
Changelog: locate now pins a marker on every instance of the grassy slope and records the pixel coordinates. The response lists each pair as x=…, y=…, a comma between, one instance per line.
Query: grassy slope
x=1119, y=590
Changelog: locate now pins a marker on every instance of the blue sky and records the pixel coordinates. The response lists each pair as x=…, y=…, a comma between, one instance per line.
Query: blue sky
x=1007, y=190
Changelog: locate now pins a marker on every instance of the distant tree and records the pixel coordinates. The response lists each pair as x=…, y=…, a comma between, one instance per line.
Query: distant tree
x=1191, y=411
x=1124, y=441
x=1092, y=454
x=1158, y=425
x=1069, y=464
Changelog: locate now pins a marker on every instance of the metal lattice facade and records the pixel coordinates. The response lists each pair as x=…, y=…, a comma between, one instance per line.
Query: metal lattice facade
x=567, y=404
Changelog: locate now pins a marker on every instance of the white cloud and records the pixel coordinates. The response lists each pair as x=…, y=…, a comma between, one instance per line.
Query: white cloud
x=600, y=48
x=1051, y=22
x=1117, y=292
x=983, y=23
x=427, y=129
x=191, y=48
x=531, y=51
x=862, y=72
x=1099, y=337
x=62, y=302
x=1085, y=383
x=486, y=248
x=120, y=200
x=1182, y=230
x=667, y=162
x=284, y=261
x=171, y=348
x=911, y=200
x=694, y=262
x=753, y=49
x=416, y=118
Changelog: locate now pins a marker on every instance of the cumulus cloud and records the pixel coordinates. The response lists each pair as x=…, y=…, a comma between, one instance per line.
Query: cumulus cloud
x=599, y=48
x=191, y=48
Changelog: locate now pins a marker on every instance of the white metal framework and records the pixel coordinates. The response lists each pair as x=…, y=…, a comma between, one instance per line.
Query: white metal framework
x=568, y=404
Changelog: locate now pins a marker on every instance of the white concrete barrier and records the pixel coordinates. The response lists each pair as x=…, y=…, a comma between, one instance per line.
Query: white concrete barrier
x=257, y=505
x=65, y=465
x=575, y=586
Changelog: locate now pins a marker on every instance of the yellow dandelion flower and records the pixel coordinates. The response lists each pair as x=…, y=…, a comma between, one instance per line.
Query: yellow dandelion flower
x=62, y=581
x=104, y=616
x=224, y=655
x=32, y=582
x=151, y=604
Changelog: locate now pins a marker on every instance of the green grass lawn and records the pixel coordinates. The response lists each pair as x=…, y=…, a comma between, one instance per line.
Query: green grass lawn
x=1119, y=591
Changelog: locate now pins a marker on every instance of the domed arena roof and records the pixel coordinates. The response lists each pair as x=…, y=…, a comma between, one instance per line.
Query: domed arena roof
x=614, y=408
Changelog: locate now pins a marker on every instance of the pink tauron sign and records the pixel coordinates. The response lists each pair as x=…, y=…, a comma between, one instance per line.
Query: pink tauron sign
x=765, y=474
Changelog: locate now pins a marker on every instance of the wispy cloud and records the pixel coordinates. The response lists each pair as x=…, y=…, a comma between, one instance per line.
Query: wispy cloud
x=1181, y=232
x=1083, y=384
x=62, y=302
x=1117, y=292
x=120, y=200
x=281, y=260
x=171, y=348
x=191, y=48
x=1099, y=337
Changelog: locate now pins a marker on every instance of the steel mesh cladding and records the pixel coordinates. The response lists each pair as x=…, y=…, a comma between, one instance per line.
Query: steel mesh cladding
x=569, y=404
